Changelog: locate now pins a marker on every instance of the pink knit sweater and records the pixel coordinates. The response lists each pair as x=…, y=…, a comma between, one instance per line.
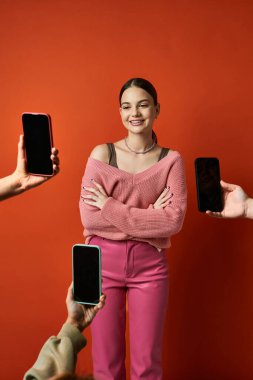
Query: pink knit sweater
x=128, y=212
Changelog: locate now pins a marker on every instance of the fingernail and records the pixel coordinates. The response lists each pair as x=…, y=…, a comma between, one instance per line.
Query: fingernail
x=167, y=187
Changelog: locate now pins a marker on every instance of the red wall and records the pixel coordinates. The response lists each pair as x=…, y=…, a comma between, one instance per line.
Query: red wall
x=70, y=58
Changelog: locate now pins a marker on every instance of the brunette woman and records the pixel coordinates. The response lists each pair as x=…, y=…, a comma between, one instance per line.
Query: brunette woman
x=133, y=200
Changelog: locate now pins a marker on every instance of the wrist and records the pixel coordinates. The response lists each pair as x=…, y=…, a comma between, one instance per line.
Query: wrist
x=104, y=203
x=249, y=208
x=17, y=183
x=74, y=323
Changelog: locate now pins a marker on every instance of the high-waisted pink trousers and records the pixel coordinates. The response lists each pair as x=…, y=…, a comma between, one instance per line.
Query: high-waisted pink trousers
x=136, y=271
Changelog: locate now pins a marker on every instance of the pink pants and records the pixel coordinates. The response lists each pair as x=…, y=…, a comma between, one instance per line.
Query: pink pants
x=139, y=272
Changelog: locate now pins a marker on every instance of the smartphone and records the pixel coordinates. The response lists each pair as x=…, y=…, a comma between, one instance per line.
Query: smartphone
x=209, y=193
x=38, y=143
x=87, y=278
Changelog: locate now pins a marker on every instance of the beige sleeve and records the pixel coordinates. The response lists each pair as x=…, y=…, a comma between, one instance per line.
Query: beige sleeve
x=58, y=354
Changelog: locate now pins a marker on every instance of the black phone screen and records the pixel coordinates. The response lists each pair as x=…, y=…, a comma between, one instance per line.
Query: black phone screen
x=38, y=143
x=86, y=273
x=208, y=184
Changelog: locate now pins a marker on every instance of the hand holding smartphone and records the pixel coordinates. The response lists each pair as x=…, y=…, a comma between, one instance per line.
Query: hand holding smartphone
x=86, y=267
x=209, y=192
x=38, y=143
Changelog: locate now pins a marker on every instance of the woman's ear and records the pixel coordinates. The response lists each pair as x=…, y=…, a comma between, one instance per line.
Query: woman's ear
x=157, y=110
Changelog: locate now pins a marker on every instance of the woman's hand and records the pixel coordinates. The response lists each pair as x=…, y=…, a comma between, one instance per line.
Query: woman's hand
x=81, y=315
x=164, y=199
x=27, y=180
x=97, y=196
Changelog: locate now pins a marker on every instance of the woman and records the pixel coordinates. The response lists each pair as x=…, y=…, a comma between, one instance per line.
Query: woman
x=133, y=200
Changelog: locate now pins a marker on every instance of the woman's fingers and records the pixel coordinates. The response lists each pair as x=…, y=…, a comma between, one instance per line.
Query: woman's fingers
x=165, y=203
x=165, y=191
x=91, y=202
x=91, y=190
x=164, y=199
x=99, y=187
x=96, y=190
x=90, y=196
x=168, y=196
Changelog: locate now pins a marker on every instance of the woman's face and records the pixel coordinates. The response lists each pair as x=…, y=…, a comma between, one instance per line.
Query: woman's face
x=137, y=110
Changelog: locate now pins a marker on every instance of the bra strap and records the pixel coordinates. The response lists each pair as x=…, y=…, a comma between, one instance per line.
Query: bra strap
x=164, y=152
x=112, y=155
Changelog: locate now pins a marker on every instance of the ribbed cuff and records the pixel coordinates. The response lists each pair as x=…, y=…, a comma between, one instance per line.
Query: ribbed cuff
x=72, y=332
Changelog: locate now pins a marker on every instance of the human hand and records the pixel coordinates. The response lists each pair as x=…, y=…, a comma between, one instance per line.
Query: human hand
x=81, y=315
x=27, y=180
x=98, y=196
x=164, y=199
x=235, y=202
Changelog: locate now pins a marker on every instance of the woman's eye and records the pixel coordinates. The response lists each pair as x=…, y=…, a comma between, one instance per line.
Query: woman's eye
x=143, y=105
x=125, y=107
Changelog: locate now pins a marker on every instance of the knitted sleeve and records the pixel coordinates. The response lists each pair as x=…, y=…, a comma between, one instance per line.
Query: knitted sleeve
x=151, y=223
x=58, y=354
x=91, y=217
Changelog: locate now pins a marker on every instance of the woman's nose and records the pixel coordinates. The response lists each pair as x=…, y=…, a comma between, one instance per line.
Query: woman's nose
x=136, y=111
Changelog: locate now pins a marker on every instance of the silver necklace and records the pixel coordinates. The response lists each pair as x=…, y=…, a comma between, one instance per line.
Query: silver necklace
x=144, y=151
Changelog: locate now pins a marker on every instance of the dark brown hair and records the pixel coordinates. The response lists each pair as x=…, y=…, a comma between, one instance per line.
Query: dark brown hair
x=141, y=83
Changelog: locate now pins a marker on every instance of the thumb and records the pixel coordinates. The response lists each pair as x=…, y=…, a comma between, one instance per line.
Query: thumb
x=227, y=186
x=21, y=147
x=21, y=166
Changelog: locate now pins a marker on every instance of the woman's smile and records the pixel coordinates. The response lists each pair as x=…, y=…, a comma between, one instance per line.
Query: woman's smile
x=137, y=110
x=136, y=122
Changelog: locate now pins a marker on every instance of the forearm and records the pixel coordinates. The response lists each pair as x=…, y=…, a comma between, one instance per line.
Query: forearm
x=149, y=222
x=11, y=186
x=94, y=223
x=145, y=223
x=73, y=322
x=133, y=217
x=123, y=221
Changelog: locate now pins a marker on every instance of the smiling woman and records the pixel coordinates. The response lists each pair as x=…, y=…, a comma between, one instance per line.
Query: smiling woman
x=133, y=199
x=139, y=107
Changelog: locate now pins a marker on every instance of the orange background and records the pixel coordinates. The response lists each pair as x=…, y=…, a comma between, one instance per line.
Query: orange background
x=70, y=58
